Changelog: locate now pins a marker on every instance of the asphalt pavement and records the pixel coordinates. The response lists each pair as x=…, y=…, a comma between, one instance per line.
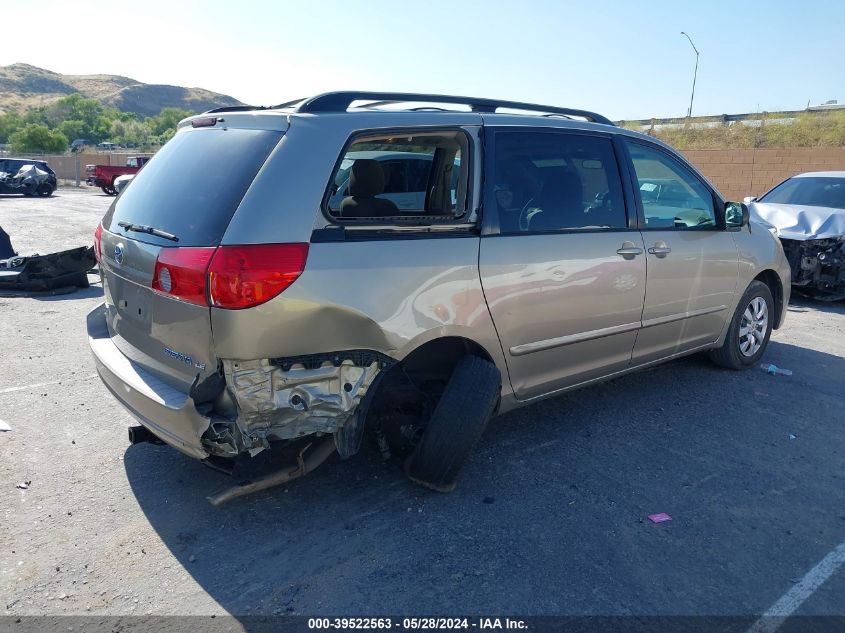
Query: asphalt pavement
x=549, y=518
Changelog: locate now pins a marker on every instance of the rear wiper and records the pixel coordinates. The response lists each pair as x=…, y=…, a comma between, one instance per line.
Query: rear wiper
x=141, y=228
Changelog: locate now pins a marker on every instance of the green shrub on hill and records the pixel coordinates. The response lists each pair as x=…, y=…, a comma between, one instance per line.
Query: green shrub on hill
x=37, y=138
x=808, y=129
x=50, y=128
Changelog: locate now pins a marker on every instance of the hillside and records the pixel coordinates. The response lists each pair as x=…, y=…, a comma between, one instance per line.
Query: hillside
x=23, y=86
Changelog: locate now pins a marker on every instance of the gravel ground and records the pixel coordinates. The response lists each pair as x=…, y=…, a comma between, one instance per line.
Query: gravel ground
x=549, y=517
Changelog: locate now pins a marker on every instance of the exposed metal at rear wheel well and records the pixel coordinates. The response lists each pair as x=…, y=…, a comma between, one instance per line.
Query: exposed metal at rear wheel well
x=771, y=279
x=441, y=355
x=408, y=392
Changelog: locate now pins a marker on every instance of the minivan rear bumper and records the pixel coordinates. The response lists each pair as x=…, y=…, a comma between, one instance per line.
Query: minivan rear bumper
x=169, y=413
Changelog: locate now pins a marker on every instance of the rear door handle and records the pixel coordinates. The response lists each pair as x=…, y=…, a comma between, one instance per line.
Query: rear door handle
x=660, y=249
x=629, y=250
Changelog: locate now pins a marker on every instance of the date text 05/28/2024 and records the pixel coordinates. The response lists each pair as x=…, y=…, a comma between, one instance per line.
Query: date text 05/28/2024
x=415, y=624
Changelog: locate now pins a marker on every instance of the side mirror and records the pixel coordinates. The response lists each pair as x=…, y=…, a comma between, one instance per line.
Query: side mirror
x=737, y=214
x=749, y=199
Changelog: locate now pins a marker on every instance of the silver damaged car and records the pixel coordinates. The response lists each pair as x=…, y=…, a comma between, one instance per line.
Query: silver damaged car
x=807, y=213
x=528, y=250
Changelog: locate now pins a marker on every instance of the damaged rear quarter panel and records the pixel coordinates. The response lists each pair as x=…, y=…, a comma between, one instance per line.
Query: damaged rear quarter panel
x=282, y=400
x=385, y=296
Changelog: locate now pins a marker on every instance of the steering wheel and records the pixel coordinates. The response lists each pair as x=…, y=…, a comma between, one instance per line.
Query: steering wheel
x=524, y=218
x=601, y=201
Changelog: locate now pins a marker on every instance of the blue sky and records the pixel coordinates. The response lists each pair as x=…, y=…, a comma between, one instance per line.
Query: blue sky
x=623, y=59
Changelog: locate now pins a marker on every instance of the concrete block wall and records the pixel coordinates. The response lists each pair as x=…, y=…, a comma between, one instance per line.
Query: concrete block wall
x=751, y=172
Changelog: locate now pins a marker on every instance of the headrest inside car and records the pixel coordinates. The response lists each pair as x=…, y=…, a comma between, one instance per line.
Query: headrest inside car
x=366, y=179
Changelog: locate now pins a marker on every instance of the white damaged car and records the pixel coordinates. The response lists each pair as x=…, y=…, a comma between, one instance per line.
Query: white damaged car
x=807, y=212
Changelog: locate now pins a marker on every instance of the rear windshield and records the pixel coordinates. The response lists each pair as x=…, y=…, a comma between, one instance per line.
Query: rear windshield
x=810, y=191
x=193, y=185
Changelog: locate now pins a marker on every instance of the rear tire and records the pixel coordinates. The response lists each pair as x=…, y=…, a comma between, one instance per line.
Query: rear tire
x=45, y=191
x=459, y=419
x=749, y=331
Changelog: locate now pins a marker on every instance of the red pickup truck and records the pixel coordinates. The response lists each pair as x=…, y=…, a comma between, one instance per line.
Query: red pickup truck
x=103, y=176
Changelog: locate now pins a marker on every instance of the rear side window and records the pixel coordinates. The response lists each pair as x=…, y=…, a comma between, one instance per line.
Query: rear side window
x=413, y=175
x=193, y=185
x=552, y=181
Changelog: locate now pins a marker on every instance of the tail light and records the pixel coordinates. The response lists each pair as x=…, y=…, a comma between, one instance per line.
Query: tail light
x=230, y=277
x=245, y=276
x=180, y=273
x=98, y=242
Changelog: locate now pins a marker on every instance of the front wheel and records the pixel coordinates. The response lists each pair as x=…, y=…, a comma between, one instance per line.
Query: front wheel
x=749, y=331
x=109, y=191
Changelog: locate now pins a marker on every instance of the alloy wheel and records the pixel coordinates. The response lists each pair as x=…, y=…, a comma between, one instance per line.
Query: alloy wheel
x=753, y=327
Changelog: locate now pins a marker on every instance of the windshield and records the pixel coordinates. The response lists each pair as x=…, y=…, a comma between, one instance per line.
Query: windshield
x=811, y=191
x=193, y=185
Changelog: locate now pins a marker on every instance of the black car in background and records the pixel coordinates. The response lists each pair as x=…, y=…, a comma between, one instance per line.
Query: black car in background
x=8, y=184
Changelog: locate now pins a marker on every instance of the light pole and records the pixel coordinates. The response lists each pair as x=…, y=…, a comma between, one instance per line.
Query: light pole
x=694, y=75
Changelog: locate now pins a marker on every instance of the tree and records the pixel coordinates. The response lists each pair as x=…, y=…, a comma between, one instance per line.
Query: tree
x=105, y=120
x=74, y=129
x=90, y=119
x=10, y=123
x=38, y=138
x=166, y=120
x=166, y=135
x=74, y=107
x=130, y=131
x=36, y=115
x=48, y=128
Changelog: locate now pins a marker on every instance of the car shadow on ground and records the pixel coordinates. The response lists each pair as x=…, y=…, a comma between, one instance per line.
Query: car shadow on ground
x=18, y=196
x=71, y=293
x=91, y=292
x=556, y=496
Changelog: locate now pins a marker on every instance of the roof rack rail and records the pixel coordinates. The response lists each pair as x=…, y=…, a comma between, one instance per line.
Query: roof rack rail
x=240, y=108
x=340, y=101
x=247, y=108
x=287, y=104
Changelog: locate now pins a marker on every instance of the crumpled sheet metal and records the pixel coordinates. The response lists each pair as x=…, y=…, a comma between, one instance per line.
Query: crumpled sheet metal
x=290, y=404
x=800, y=222
x=31, y=172
x=47, y=272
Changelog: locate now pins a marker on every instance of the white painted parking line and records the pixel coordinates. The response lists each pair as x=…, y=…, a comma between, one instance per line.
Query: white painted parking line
x=788, y=604
x=41, y=384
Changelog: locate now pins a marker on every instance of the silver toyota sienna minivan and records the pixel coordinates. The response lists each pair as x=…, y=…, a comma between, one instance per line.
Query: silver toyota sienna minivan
x=409, y=266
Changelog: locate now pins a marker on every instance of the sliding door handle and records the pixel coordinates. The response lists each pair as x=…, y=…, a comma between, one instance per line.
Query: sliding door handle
x=660, y=249
x=629, y=250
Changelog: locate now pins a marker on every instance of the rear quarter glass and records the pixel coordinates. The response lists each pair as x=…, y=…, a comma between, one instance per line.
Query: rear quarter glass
x=193, y=185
